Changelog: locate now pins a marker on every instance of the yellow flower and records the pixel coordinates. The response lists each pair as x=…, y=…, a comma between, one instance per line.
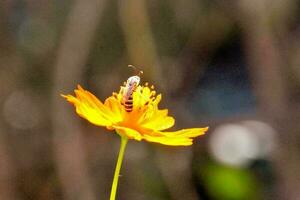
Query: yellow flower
x=146, y=121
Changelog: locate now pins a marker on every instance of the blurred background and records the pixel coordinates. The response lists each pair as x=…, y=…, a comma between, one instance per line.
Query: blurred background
x=231, y=65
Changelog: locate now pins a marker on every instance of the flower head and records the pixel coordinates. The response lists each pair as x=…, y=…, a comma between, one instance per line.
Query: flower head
x=144, y=121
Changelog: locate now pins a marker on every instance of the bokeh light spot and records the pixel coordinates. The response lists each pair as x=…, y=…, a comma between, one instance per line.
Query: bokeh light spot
x=20, y=111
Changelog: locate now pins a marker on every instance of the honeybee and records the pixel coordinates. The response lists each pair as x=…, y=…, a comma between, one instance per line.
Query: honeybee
x=130, y=86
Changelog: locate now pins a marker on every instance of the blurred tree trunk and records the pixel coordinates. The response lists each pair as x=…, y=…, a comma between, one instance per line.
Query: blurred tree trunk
x=8, y=77
x=266, y=65
x=69, y=67
x=139, y=39
x=176, y=171
x=142, y=51
x=7, y=184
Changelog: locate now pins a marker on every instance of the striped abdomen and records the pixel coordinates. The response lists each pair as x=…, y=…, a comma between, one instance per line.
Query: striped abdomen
x=128, y=103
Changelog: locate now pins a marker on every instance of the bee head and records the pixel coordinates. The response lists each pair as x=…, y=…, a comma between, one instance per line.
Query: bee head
x=133, y=81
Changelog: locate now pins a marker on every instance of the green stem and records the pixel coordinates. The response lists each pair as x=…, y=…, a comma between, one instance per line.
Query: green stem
x=114, y=186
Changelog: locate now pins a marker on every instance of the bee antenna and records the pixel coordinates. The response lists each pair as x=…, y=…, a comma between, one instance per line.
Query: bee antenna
x=133, y=67
x=140, y=72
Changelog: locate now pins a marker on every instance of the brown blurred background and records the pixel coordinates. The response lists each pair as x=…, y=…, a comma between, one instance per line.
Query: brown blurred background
x=230, y=65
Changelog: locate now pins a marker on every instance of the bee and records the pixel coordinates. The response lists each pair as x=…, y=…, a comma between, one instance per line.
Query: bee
x=130, y=86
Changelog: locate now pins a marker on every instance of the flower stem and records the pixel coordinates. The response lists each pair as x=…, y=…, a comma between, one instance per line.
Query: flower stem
x=114, y=186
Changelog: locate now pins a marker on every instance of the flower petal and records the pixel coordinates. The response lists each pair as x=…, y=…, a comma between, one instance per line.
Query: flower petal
x=130, y=133
x=115, y=107
x=172, y=141
x=91, y=108
x=177, y=138
x=159, y=123
x=191, y=132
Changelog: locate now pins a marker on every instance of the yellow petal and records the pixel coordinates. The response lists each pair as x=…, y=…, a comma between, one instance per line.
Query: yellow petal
x=157, y=120
x=130, y=133
x=115, y=107
x=159, y=123
x=177, y=138
x=91, y=108
x=92, y=115
x=191, y=132
x=172, y=141
x=91, y=100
